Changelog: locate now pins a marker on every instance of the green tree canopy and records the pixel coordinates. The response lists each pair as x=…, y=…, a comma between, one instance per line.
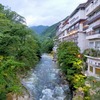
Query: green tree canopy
x=70, y=63
x=19, y=51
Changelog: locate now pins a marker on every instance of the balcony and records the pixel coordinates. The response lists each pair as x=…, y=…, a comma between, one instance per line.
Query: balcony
x=85, y=23
x=93, y=35
x=93, y=53
x=93, y=66
x=70, y=37
x=97, y=26
x=64, y=27
x=59, y=32
x=94, y=18
x=93, y=7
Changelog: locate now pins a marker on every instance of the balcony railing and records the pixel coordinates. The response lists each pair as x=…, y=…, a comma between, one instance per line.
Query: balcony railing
x=85, y=23
x=58, y=33
x=85, y=28
x=96, y=26
x=92, y=53
x=92, y=33
x=71, y=37
x=93, y=7
x=94, y=18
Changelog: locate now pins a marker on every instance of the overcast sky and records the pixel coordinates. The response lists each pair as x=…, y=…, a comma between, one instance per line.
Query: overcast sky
x=42, y=12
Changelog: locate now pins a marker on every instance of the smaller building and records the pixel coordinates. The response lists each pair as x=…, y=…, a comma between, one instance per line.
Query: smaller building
x=92, y=29
x=93, y=66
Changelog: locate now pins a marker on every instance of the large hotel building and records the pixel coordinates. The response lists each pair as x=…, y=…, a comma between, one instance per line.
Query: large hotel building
x=83, y=28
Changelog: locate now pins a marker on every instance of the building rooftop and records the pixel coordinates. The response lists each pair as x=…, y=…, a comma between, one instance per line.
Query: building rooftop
x=76, y=10
x=88, y=2
x=83, y=5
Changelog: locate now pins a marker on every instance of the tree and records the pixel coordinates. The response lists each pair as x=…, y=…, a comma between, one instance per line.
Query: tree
x=13, y=16
x=19, y=51
x=47, y=45
x=69, y=62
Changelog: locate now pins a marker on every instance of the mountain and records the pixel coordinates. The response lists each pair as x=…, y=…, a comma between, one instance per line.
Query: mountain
x=47, y=31
x=50, y=31
x=39, y=29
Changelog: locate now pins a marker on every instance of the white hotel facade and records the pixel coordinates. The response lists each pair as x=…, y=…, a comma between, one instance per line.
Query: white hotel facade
x=83, y=28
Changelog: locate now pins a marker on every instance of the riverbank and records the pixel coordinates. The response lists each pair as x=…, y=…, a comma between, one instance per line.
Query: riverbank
x=25, y=95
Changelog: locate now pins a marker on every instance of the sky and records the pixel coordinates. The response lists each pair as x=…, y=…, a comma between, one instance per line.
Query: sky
x=42, y=12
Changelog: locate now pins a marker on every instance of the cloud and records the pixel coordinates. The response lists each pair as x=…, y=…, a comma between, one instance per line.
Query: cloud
x=42, y=12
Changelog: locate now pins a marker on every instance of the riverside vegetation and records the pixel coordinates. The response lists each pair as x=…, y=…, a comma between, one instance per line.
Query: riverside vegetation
x=19, y=51
x=71, y=64
x=47, y=45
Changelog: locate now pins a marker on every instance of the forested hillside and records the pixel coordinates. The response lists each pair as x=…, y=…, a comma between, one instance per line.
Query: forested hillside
x=39, y=29
x=19, y=51
x=50, y=31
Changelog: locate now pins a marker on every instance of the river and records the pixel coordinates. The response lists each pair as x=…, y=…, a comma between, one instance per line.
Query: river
x=44, y=82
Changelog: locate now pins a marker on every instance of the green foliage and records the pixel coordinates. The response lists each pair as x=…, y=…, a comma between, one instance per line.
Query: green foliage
x=92, y=52
x=67, y=56
x=94, y=92
x=50, y=31
x=8, y=75
x=70, y=63
x=19, y=51
x=78, y=98
x=13, y=16
x=86, y=92
x=78, y=80
x=47, y=45
x=39, y=29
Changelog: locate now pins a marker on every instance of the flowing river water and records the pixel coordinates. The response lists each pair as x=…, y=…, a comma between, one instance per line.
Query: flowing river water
x=44, y=82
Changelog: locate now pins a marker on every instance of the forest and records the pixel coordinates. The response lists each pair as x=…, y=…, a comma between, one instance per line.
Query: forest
x=19, y=51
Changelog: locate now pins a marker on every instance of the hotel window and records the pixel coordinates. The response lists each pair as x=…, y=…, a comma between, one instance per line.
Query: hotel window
x=87, y=10
x=91, y=68
x=97, y=71
x=99, y=64
x=95, y=1
x=97, y=44
x=90, y=17
x=97, y=31
x=92, y=5
x=77, y=26
x=68, y=31
x=82, y=8
x=72, y=27
x=91, y=44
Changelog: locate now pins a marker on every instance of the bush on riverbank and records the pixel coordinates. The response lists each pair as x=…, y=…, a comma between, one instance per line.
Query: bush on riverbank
x=19, y=51
x=94, y=92
x=70, y=63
